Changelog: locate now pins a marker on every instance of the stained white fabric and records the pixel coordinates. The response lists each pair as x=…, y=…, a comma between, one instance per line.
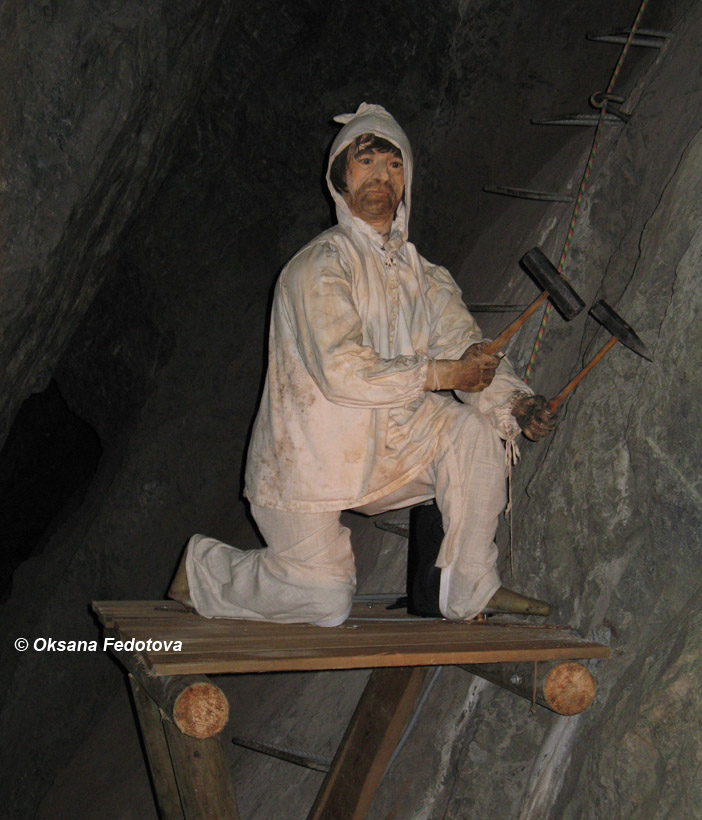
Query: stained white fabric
x=344, y=418
x=345, y=422
x=467, y=478
x=307, y=572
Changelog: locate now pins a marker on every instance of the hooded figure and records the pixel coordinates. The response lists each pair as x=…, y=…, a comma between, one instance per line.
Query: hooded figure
x=349, y=419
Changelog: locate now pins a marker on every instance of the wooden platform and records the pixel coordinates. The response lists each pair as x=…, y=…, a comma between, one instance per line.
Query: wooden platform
x=371, y=638
x=189, y=771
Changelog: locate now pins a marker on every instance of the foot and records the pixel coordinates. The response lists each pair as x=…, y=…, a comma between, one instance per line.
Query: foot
x=179, y=589
x=508, y=602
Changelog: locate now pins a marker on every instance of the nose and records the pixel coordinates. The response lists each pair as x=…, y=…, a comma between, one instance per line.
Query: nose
x=381, y=169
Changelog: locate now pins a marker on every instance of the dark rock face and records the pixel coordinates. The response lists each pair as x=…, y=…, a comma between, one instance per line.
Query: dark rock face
x=48, y=460
x=167, y=363
x=91, y=100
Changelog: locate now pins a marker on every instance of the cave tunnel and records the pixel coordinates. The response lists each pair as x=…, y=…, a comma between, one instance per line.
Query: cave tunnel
x=160, y=164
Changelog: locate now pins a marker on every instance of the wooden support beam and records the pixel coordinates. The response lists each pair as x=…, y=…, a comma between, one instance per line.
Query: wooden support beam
x=192, y=702
x=370, y=739
x=202, y=777
x=160, y=766
x=565, y=688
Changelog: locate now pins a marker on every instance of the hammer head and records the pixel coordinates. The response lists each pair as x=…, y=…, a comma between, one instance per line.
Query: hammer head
x=619, y=328
x=546, y=275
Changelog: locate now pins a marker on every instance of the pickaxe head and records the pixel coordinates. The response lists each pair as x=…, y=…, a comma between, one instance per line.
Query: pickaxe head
x=546, y=275
x=614, y=323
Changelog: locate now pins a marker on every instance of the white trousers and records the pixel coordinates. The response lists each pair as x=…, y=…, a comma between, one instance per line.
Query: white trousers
x=307, y=572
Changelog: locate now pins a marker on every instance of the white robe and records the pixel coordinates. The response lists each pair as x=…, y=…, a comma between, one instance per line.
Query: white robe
x=344, y=418
x=345, y=421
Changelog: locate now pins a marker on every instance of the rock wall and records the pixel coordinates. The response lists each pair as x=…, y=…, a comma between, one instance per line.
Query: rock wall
x=92, y=98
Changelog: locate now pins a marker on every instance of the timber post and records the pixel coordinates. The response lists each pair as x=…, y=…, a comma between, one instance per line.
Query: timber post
x=371, y=737
x=189, y=774
x=157, y=754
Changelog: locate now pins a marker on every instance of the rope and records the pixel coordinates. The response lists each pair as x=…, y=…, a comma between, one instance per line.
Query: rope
x=584, y=181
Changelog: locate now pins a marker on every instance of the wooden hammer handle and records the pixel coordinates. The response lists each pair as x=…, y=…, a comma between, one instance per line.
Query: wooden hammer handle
x=568, y=389
x=497, y=345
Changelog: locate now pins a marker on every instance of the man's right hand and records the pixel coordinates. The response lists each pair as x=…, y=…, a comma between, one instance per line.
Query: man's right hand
x=473, y=372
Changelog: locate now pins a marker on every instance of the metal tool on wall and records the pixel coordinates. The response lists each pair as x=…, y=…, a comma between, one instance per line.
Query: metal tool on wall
x=555, y=289
x=621, y=332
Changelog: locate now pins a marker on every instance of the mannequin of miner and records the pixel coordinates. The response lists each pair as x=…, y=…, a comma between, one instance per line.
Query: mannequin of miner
x=364, y=332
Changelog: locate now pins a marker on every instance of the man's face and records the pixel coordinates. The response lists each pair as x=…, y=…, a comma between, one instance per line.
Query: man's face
x=375, y=182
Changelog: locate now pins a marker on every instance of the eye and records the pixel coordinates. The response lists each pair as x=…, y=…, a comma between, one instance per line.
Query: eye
x=396, y=165
x=364, y=160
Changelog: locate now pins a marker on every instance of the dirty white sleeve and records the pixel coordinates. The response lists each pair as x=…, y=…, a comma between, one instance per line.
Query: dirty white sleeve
x=453, y=328
x=495, y=401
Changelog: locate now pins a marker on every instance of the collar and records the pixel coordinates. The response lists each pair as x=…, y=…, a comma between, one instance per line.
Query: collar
x=356, y=225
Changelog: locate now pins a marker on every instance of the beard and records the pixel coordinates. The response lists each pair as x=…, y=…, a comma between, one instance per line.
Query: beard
x=376, y=200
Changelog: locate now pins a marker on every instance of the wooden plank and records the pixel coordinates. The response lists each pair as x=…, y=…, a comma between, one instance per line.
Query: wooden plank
x=144, y=620
x=172, y=612
x=242, y=631
x=200, y=664
x=157, y=754
x=391, y=640
x=308, y=652
x=368, y=744
x=108, y=610
x=371, y=645
x=201, y=775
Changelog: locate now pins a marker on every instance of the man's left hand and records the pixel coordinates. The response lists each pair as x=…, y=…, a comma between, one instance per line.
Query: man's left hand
x=532, y=415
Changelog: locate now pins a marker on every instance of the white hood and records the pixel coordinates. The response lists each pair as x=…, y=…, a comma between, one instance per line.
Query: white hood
x=372, y=119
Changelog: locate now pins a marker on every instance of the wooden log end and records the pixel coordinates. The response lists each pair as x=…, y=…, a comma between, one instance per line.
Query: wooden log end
x=201, y=710
x=569, y=688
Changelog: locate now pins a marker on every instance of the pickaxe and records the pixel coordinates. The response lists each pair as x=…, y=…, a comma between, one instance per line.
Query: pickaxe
x=554, y=286
x=621, y=332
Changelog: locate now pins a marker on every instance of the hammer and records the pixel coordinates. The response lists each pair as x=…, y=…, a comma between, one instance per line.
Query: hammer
x=554, y=286
x=621, y=332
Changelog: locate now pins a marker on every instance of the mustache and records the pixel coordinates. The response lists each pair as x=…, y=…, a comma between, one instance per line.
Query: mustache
x=382, y=187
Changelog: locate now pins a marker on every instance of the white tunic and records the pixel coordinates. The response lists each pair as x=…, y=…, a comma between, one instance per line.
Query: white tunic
x=344, y=418
x=345, y=422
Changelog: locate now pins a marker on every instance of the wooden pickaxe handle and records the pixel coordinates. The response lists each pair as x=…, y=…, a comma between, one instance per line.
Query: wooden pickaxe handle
x=497, y=344
x=573, y=383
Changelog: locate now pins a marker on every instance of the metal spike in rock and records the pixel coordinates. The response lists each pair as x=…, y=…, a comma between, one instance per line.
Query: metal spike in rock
x=646, y=37
x=554, y=287
x=307, y=761
x=621, y=332
x=528, y=193
x=494, y=307
x=578, y=119
x=395, y=527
